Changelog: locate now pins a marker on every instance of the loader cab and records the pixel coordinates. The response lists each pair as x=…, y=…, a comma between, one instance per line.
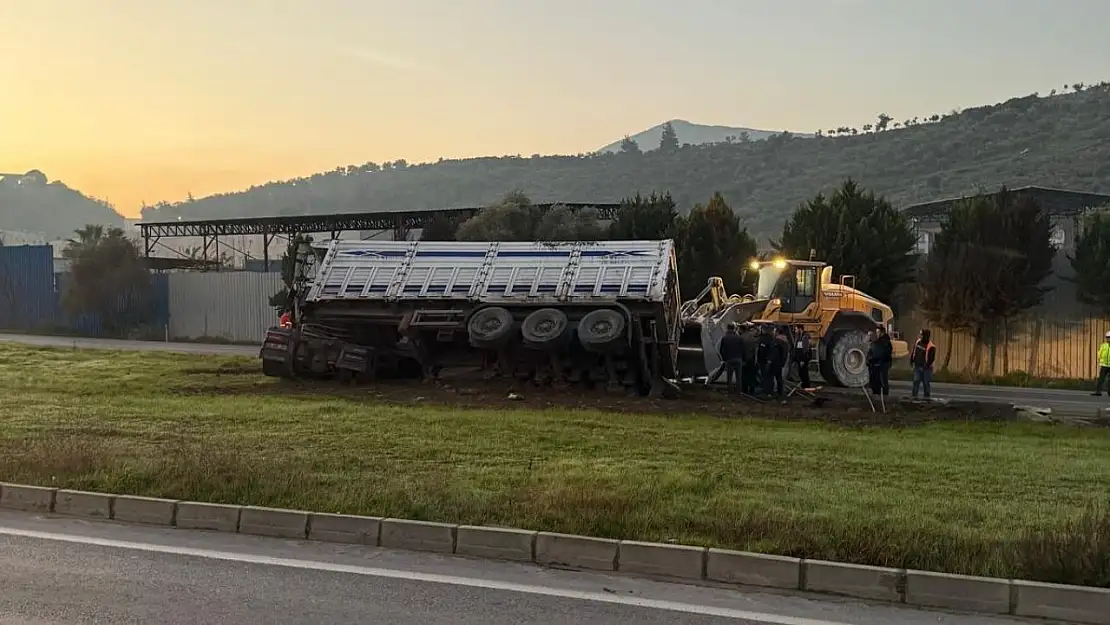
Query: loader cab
x=792, y=286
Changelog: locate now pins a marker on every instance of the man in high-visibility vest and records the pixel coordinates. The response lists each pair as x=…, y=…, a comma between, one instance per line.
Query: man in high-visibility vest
x=922, y=357
x=1103, y=365
x=286, y=320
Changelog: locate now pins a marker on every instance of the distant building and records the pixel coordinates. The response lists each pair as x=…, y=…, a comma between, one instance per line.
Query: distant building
x=1065, y=208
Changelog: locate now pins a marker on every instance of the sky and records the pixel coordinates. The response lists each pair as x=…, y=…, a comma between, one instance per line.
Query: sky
x=139, y=101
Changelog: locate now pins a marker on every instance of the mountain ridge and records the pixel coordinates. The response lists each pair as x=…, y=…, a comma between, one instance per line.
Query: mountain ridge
x=695, y=134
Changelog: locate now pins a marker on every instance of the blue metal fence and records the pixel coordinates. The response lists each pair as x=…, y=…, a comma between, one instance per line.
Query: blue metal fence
x=27, y=297
x=31, y=297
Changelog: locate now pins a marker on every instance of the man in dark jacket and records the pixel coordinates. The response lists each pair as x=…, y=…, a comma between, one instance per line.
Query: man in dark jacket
x=922, y=357
x=777, y=349
x=764, y=343
x=880, y=357
x=803, y=353
x=731, y=351
x=749, y=371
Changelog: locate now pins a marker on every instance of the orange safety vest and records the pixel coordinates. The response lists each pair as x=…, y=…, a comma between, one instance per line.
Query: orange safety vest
x=286, y=320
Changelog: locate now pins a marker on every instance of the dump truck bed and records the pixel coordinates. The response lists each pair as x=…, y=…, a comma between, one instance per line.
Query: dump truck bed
x=493, y=273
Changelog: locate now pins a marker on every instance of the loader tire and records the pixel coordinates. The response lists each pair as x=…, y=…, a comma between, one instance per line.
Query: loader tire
x=602, y=331
x=848, y=359
x=490, y=328
x=545, y=328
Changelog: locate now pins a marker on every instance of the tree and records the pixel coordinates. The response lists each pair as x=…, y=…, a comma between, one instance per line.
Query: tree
x=857, y=233
x=442, y=227
x=629, y=146
x=513, y=219
x=1091, y=262
x=986, y=266
x=668, y=142
x=712, y=242
x=561, y=224
x=644, y=218
x=108, y=278
x=280, y=300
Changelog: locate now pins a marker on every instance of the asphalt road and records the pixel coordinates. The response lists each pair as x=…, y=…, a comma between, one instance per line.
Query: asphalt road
x=57, y=570
x=1060, y=401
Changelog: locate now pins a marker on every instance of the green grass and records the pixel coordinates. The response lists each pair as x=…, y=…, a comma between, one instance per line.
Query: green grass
x=1014, y=378
x=992, y=499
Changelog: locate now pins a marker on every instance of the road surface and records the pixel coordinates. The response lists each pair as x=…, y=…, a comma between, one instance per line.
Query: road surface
x=58, y=571
x=1077, y=403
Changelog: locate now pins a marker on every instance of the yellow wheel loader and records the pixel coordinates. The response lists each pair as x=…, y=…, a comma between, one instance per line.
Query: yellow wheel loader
x=788, y=293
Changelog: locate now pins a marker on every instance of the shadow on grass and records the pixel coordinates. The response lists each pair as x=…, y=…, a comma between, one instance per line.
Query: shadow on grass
x=1074, y=551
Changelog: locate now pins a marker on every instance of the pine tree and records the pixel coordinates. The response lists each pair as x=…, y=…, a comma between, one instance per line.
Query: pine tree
x=668, y=142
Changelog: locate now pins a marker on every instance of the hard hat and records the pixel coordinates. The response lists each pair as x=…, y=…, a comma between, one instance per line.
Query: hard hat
x=1108, y=335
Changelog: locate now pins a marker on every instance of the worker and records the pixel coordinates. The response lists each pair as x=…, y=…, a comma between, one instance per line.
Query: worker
x=777, y=349
x=922, y=357
x=880, y=357
x=780, y=351
x=803, y=353
x=731, y=351
x=286, y=320
x=749, y=371
x=764, y=344
x=1103, y=366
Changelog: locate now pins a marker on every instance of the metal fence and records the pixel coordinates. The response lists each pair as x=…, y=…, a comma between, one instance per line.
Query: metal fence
x=1042, y=346
x=230, y=306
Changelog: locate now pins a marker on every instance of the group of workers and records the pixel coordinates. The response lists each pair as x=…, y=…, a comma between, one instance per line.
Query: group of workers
x=753, y=358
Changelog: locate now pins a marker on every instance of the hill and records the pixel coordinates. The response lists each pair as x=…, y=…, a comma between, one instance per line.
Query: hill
x=29, y=203
x=1057, y=141
x=693, y=134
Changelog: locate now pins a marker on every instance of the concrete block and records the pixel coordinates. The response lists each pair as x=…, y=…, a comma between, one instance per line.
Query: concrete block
x=343, y=528
x=207, y=516
x=83, y=504
x=681, y=561
x=576, y=551
x=149, y=510
x=958, y=592
x=496, y=542
x=853, y=580
x=754, y=569
x=1075, y=604
x=273, y=522
x=27, y=498
x=418, y=535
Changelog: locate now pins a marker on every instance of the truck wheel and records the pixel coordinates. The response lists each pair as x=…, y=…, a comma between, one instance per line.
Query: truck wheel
x=848, y=359
x=274, y=369
x=545, y=328
x=601, y=330
x=490, y=328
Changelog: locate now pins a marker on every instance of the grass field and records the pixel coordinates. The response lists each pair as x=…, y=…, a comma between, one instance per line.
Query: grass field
x=992, y=498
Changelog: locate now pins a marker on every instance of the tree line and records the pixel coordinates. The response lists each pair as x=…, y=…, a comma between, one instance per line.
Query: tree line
x=987, y=266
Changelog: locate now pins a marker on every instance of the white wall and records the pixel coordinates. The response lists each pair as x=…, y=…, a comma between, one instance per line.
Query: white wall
x=231, y=305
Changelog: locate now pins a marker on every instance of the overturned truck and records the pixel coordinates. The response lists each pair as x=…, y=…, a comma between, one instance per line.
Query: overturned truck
x=603, y=314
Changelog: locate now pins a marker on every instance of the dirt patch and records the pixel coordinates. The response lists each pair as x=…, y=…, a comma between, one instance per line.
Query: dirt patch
x=223, y=369
x=838, y=406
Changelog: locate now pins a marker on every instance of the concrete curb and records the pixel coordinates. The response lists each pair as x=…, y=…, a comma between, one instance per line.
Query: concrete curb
x=1077, y=604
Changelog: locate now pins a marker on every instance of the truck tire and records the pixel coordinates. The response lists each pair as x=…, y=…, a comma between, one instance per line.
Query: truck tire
x=490, y=328
x=274, y=369
x=848, y=359
x=545, y=328
x=602, y=330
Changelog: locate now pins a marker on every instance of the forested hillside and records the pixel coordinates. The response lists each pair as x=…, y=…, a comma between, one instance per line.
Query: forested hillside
x=1060, y=140
x=30, y=203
